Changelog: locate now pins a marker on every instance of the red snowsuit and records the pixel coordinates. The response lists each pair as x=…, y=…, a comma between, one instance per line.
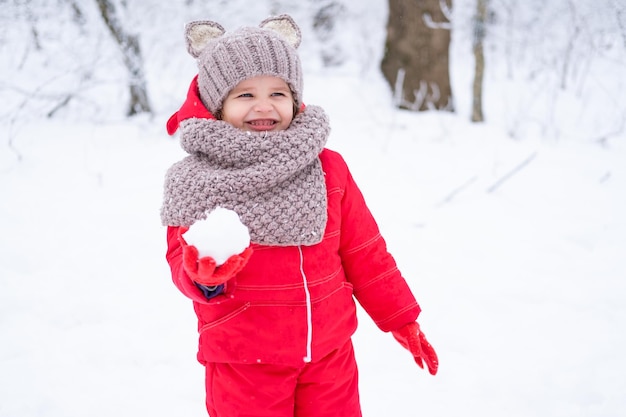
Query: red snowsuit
x=263, y=316
x=292, y=305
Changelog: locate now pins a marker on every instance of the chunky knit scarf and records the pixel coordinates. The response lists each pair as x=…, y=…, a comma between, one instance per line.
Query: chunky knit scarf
x=273, y=180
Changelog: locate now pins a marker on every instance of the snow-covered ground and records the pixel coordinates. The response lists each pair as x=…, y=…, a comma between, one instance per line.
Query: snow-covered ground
x=515, y=249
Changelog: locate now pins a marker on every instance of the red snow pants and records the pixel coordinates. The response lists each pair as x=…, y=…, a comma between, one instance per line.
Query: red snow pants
x=325, y=388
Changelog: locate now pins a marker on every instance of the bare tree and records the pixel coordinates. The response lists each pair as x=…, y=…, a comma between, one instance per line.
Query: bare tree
x=131, y=54
x=416, y=62
x=325, y=27
x=620, y=14
x=480, y=21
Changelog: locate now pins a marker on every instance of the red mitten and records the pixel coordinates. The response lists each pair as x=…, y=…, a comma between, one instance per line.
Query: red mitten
x=205, y=270
x=411, y=338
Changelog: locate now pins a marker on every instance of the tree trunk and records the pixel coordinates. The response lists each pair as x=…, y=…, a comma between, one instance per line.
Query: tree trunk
x=416, y=63
x=480, y=21
x=131, y=53
x=325, y=27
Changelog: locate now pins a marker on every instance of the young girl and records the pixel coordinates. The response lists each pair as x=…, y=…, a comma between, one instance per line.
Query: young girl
x=276, y=320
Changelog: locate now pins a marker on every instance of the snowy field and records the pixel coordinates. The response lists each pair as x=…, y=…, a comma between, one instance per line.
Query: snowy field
x=515, y=249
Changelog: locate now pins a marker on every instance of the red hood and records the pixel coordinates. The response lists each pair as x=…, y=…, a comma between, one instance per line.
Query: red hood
x=192, y=107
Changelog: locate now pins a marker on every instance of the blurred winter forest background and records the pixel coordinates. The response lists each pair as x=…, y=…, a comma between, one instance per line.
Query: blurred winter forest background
x=552, y=69
x=511, y=230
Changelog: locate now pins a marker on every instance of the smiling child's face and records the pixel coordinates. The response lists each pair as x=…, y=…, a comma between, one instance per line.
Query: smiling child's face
x=259, y=104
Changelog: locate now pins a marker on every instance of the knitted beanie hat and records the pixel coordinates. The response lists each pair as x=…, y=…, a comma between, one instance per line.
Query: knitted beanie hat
x=224, y=60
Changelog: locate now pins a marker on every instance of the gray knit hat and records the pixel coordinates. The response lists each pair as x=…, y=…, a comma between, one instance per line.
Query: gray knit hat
x=226, y=59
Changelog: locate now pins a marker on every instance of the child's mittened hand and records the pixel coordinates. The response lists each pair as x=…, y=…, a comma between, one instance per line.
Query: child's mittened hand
x=205, y=270
x=411, y=338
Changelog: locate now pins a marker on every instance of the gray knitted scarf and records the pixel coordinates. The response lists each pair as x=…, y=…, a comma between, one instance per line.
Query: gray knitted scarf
x=273, y=180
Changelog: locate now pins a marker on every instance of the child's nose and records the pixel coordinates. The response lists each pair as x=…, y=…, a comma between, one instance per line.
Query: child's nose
x=263, y=105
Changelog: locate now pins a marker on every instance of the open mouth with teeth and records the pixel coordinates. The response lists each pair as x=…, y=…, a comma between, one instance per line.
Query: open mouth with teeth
x=262, y=124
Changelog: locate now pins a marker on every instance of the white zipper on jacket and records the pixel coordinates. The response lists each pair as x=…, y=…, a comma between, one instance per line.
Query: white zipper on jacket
x=309, y=319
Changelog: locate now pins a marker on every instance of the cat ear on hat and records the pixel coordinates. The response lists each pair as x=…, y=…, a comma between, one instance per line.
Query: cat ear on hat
x=199, y=33
x=285, y=26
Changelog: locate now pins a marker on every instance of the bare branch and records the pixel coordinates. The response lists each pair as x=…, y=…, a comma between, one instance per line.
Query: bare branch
x=131, y=54
x=420, y=96
x=457, y=191
x=511, y=173
x=398, y=88
x=447, y=13
x=619, y=13
x=428, y=20
x=446, y=10
x=64, y=102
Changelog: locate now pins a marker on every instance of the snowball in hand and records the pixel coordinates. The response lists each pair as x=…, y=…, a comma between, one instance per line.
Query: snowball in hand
x=219, y=236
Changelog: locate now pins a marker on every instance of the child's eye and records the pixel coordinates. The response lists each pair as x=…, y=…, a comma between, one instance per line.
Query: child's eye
x=245, y=95
x=278, y=94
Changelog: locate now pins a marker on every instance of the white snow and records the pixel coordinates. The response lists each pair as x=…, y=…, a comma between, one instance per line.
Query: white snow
x=520, y=269
x=220, y=235
x=522, y=288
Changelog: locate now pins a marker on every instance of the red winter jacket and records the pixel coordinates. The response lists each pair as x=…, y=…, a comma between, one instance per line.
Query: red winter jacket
x=291, y=302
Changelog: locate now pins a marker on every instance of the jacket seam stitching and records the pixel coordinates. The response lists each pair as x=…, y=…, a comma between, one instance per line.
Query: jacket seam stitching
x=376, y=279
x=395, y=315
x=363, y=245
